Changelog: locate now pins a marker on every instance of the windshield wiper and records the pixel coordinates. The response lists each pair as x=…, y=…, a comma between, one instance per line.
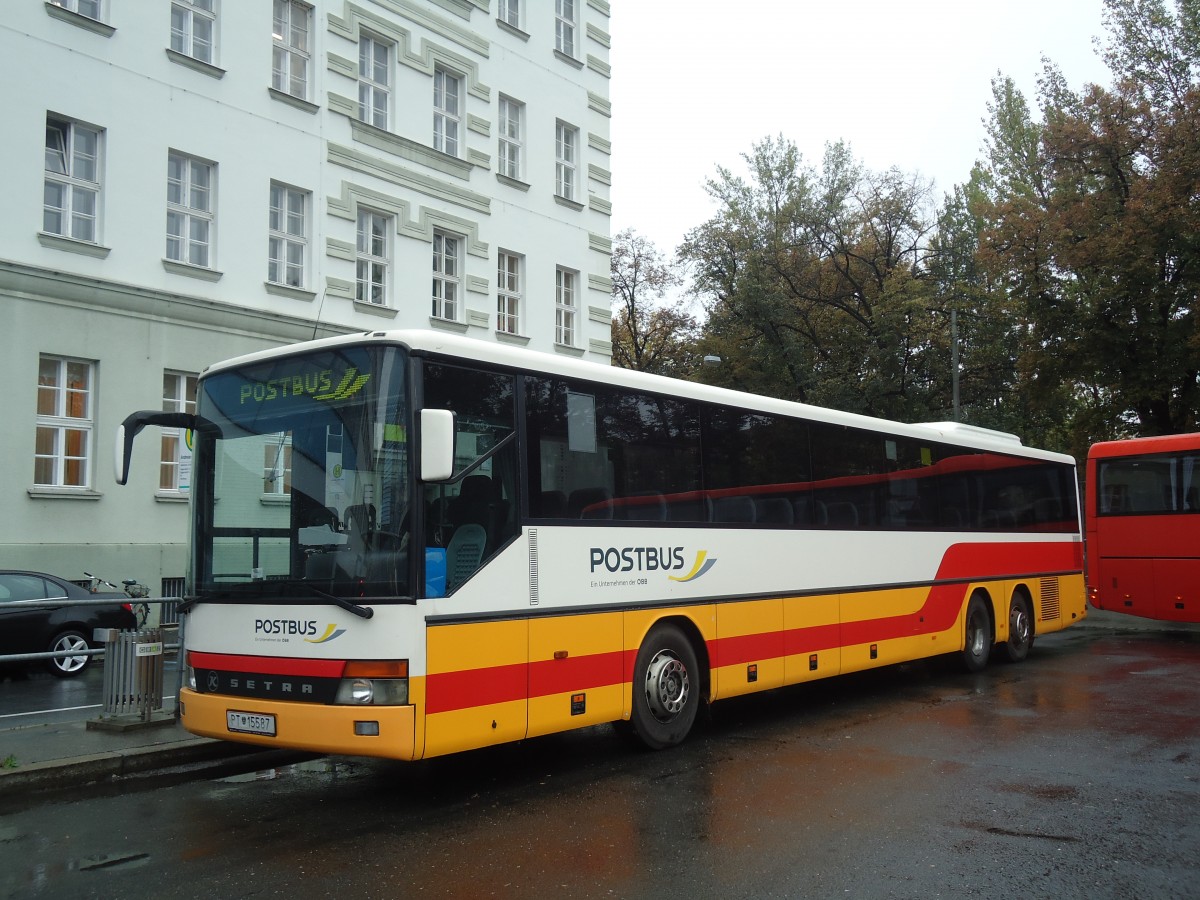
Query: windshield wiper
x=363, y=612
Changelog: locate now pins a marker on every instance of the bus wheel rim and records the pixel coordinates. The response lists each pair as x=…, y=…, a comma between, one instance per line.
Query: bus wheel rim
x=667, y=686
x=1019, y=624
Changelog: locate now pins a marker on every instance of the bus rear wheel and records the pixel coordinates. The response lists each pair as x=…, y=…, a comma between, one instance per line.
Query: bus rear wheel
x=1020, y=629
x=666, y=688
x=978, y=644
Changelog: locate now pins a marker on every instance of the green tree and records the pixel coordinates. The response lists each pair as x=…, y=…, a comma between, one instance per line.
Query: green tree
x=650, y=331
x=1091, y=224
x=818, y=278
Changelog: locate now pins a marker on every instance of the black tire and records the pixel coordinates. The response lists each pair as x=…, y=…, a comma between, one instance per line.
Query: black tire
x=1020, y=629
x=977, y=646
x=68, y=666
x=666, y=688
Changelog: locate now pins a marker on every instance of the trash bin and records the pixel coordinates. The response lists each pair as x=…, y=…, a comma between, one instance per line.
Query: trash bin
x=133, y=676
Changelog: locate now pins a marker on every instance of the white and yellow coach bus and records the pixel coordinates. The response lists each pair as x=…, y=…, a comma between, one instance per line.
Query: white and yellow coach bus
x=407, y=544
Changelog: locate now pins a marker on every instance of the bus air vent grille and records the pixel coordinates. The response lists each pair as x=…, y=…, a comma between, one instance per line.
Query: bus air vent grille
x=1050, y=598
x=533, y=567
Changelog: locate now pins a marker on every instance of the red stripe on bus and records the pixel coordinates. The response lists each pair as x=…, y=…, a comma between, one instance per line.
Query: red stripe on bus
x=575, y=673
x=978, y=562
x=267, y=665
x=450, y=691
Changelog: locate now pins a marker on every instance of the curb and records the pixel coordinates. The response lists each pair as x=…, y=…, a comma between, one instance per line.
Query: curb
x=81, y=771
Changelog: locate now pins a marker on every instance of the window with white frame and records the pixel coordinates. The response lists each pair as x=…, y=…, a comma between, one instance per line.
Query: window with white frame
x=447, y=278
x=291, y=47
x=277, y=465
x=373, y=259
x=63, y=445
x=288, y=241
x=566, y=154
x=193, y=29
x=374, y=80
x=190, y=185
x=509, y=281
x=564, y=26
x=511, y=115
x=565, y=285
x=71, y=197
x=447, y=99
x=175, y=462
x=509, y=12
x=89, y=8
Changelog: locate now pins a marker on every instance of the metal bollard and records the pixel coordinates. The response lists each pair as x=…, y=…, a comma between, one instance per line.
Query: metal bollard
x=133, y=677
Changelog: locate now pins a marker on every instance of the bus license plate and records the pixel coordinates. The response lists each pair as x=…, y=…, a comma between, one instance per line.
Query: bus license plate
x=251, y=723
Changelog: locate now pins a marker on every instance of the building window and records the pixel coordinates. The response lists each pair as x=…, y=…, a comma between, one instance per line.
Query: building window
x=189, y=210
x=372, y=260
x=447, y=90
x=564, y=306
x=564, y=26
x=193, y=24
x=89, y=8
x=277, y=466
x=71, y=199
x=446, y=275
x=62, y=454
x=511, y=114
x=566, y=152
x=175, y=465
x=374, y=81
x=288, y=236
x=508, y=294
x=291, y=48
x=509, y=12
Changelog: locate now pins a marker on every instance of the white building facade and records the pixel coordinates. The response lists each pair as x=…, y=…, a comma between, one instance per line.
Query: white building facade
x=189, y=180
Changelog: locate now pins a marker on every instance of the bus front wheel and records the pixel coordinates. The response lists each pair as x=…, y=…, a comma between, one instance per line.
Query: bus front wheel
x=978, y=644
x=666, y=688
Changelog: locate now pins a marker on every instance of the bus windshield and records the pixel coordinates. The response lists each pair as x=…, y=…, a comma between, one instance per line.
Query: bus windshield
x=302, y=478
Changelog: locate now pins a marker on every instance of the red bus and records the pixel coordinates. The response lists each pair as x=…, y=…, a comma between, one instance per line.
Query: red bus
x=1143, y=527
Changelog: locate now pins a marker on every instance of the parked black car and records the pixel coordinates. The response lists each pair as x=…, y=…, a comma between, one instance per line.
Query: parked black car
x=25, y=629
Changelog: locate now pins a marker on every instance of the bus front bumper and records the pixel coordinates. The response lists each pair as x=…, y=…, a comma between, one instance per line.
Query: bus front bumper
x=383, y=731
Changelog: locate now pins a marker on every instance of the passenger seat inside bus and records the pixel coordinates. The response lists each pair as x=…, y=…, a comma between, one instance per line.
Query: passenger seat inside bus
x=464, y=553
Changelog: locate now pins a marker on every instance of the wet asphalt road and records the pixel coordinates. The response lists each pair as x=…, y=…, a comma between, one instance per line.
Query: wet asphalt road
x=1074, y=774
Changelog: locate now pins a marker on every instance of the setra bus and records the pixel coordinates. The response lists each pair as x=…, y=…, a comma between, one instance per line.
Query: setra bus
x=1143, y=527
x=406, y=544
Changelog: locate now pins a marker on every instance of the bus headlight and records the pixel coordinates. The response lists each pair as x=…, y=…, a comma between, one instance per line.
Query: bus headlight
x=373, y=684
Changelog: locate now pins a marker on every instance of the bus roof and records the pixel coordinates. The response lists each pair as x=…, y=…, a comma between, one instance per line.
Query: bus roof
x=1166, y=443
x=422, y=342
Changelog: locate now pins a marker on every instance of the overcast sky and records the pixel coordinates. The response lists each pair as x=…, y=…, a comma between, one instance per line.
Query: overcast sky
x=695, y=83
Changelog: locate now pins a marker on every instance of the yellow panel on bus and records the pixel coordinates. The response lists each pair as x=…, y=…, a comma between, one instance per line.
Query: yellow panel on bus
x=575, y=672
x=750, y=641
x=477, y=685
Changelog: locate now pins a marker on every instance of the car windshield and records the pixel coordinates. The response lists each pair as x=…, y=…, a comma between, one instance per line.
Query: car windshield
x=302, y=478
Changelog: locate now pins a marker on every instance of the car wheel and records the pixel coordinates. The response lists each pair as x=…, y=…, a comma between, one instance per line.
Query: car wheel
x=66, y=666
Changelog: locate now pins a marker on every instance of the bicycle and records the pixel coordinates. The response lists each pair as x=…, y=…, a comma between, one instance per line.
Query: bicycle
x=133, y=589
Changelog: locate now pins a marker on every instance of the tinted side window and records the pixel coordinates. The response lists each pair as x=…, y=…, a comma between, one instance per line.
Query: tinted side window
x=756, y=468
x=848, y=483
x=597, y=452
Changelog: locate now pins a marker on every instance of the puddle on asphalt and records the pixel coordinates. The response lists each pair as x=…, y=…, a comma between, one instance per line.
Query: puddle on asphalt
x=322, y=766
